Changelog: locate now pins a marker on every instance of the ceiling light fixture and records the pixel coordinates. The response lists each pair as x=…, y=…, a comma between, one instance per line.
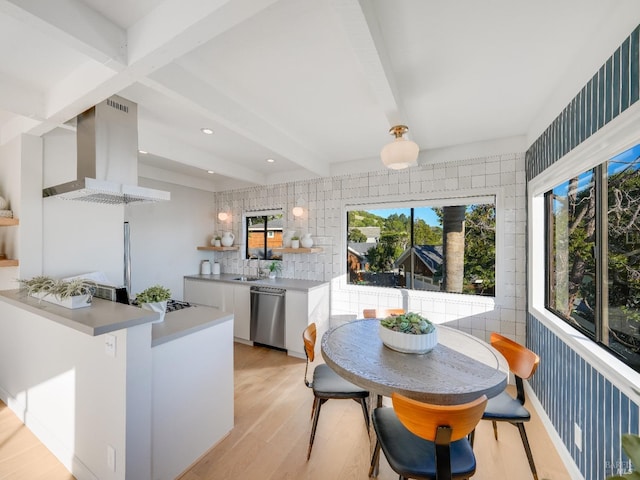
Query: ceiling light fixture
x=206, y=131
x=143, y=152
x=270, y=160
x=298, y=210
x=210, y=172
x=401, y=153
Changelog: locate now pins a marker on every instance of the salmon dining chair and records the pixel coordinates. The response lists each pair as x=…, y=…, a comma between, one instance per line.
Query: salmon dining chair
x=505, y=408
x=327, y=385
x=426, y=441
x=381, y=313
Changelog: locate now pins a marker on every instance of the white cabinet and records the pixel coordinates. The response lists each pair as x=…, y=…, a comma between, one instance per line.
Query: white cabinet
x=241, y=311
x=301, y=309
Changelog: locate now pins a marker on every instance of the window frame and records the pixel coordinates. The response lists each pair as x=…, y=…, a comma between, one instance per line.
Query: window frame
x=245, y=231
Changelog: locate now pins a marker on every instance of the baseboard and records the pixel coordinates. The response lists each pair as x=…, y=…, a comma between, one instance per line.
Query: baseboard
x=561, y=448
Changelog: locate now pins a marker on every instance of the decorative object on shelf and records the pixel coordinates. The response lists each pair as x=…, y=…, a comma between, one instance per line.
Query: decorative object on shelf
x=154, y=299
x=76, y=293
x=4, y=204
x=295, y=242
x=274, y=267
x=401, y=153
x=215, y=241
x=215, y=268
x=227, y=239
x=306, y=241
x=408, y=333
x=286, y=239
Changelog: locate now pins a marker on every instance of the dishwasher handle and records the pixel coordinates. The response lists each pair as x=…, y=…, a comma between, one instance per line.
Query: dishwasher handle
x=275, y=292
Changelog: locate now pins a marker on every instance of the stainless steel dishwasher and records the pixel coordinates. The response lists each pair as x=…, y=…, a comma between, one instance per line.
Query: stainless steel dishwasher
x=267, y=316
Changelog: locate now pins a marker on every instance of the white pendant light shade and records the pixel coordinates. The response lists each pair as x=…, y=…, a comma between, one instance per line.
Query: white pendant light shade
x=401, y=153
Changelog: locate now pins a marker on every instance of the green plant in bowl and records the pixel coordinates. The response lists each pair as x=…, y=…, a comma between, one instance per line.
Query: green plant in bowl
x=410, y=323
x=156, y=293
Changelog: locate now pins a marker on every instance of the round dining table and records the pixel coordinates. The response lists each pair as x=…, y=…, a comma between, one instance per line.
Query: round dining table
x=459, y=369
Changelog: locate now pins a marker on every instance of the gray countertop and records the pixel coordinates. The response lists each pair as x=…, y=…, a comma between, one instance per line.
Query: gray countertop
x=104, y=316
x=286, y=283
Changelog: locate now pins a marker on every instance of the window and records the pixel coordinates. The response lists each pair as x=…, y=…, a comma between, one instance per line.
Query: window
x=264, y=233
x=438, y=248
x=593, y=254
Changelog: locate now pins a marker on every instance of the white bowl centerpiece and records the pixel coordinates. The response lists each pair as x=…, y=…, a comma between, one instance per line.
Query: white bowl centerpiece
x=408, y=333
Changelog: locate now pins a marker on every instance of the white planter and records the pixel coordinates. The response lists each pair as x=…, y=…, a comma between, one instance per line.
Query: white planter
x=159, y=307
x=77, y=301
x=295, y=243
x=408, y=343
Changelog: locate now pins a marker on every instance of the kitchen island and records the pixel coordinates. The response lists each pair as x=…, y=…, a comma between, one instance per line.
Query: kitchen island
x=113, y=395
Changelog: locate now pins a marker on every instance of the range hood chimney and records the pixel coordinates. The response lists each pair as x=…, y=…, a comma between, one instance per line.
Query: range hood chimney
x=107, y=159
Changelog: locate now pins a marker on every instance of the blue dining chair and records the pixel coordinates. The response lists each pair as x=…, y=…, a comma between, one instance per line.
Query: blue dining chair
x=327, y=385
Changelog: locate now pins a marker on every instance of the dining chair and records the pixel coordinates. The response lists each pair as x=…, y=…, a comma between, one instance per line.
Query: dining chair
x=327, y=385
x=426, y=441
x=381, y=313
x=505, y=408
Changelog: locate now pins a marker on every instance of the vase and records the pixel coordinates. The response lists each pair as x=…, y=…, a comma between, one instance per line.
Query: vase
x=306, y=241
x=408, y=342
x=158, y=307
x=295, y=243
x=227, y=239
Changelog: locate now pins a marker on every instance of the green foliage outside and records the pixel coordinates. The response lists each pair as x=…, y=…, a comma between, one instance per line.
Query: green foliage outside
x=631, y=446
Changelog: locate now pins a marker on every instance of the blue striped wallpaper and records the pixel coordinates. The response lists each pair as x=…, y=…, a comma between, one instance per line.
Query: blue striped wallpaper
x=569, y=388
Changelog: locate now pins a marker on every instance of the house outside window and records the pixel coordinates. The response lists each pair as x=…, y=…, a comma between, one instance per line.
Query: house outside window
x=447, y=248
x=592, y=225
x=264, y=233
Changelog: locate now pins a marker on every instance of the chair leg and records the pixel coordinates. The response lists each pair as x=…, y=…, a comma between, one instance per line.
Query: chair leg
x=527, y=448
x=495, y=429
x=365, y=411
x=313, y=408
x=472, y=437
x=315, y=424
x=375, y=460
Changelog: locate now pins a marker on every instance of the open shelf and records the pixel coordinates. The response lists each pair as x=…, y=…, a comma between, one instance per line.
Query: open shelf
x=8, y=222
x=298, y=250
x=9, y=263
x=220, y=249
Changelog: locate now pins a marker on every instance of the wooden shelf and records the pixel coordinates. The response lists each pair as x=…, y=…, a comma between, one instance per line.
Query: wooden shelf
x=220, y=249
x=298, y=250
x=9, y=263
x=8, y=222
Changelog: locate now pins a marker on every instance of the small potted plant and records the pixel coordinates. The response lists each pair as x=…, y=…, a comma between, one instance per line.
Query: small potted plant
x=154, y=299
x=408, y=333
x=216, y=241
x=274, y=267
x=75, y=293
x=295, y=242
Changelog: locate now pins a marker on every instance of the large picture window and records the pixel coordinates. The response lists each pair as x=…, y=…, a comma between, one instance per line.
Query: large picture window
x=593, y=254
x=448, y=248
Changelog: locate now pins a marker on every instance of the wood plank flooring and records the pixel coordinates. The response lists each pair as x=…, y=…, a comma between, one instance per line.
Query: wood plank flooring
x=271, y=434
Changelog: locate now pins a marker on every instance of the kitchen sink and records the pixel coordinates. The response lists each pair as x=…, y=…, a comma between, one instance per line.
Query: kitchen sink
x=247, y=279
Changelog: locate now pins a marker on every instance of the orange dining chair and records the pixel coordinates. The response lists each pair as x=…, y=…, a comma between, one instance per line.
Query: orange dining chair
x=327, y=385
x=426, y=441
x=381, y=313
x=503, y=407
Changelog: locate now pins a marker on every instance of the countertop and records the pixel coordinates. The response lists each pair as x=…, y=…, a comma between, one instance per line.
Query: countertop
x=286, y=283
x=104, y=316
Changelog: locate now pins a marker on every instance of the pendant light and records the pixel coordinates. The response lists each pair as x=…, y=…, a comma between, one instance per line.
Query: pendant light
x=401, y=153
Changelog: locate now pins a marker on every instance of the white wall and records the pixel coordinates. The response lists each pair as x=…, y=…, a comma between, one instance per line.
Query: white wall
x=325, y=218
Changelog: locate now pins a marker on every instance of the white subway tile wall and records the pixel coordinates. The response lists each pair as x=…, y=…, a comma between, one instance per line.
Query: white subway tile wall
x=325, y=218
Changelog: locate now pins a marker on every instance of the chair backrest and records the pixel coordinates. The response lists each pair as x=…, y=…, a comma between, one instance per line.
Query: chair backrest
x=424, y=419
x=309, y=338
x=522, y=361
x=381, y=313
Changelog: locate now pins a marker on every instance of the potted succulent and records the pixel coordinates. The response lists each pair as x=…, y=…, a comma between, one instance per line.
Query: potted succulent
x=75, y=293
x=408, y=333
x=274, y=267
x=155, y=299
x=216, y=241
x=295, y=242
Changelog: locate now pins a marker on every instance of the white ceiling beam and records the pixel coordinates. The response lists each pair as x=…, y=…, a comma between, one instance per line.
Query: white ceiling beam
x=181, y=85
x=164, y=146
x=362, y=29
x=74, y=24
x=17, y=98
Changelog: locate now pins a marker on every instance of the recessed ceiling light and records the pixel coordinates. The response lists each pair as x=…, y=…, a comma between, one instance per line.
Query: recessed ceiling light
x=210, y=172
x=206, y=131
x=270, y=160
x=143, y=152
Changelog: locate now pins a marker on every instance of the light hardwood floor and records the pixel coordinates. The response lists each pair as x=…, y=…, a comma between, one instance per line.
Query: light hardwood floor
x=271, y=434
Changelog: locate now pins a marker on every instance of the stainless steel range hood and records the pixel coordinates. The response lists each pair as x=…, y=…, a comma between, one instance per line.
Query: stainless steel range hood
x=107, y=158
